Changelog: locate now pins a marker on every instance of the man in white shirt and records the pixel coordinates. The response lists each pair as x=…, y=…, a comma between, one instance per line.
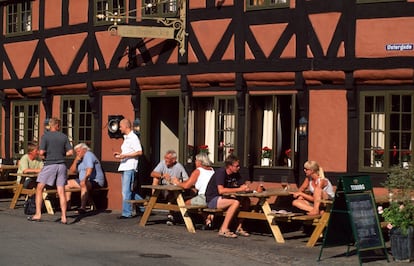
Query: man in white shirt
x=130, y=150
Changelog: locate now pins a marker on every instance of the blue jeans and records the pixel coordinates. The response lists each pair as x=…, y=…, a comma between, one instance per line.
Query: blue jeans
x=127, y=193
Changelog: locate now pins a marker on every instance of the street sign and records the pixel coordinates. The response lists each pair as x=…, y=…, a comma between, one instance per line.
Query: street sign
x=145, y=32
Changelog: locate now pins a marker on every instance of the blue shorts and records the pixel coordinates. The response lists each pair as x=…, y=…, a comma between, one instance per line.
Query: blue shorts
x=212, y=204
x=53, y=173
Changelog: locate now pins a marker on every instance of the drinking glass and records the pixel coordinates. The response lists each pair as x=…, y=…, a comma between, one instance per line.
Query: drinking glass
x=284, y=182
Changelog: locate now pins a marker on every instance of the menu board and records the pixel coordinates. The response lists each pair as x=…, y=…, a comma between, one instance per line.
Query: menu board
x=364, y=220
x=353, y=219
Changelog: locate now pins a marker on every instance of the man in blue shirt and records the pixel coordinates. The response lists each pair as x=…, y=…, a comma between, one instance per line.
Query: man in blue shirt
x=90, y=174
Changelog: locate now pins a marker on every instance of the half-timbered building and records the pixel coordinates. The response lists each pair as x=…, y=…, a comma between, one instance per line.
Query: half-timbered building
x=276, y=82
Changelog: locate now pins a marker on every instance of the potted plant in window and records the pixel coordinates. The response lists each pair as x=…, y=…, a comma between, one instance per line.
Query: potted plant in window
x=400, y=213
x=378, y=157
x=405, y=158
x=203, y=149
x=266, y=156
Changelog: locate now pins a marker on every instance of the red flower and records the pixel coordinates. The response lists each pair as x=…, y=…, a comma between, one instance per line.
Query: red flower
x=203, y=148
x=288, y=153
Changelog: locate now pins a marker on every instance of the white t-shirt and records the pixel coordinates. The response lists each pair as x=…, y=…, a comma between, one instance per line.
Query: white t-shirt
x=131, y=144
x=203, y=179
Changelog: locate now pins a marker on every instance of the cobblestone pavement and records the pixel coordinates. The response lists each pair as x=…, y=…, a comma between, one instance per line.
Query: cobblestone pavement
x=259, y=249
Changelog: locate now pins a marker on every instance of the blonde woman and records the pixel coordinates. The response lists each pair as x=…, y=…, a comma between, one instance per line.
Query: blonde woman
x=320, y=188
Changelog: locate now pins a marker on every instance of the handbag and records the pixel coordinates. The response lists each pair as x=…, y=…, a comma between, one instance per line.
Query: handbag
x=30, y=205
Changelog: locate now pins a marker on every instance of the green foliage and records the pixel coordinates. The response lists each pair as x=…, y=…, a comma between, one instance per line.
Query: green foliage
x=400, y=184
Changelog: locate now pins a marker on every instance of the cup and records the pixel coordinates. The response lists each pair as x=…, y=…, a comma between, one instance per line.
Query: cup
x=14, y=162
x=284, y=182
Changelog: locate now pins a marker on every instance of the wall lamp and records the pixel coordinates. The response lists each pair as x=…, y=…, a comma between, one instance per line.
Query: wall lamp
x=113, y=126
x=303, y=127
x=46, y=124
x=137, y=126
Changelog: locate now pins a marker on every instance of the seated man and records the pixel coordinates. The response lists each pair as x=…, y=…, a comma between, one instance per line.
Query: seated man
x=168, y=171
x=228, y=180
x=91, y=175
x=30, y=163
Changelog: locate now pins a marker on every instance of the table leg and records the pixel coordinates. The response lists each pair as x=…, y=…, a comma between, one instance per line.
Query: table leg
x=16, y=195
x=149, y=207
x=48, y=204
x=277, y=234
x=187, y=219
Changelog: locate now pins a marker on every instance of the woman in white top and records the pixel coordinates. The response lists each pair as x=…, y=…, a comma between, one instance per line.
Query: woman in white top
x=199, y=179
x=319, y=187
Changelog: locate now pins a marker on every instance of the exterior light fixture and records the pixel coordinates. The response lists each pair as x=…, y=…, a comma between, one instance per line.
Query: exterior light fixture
x=46, y=124
x=137, y=126
x=303, y=127
x=113, y=126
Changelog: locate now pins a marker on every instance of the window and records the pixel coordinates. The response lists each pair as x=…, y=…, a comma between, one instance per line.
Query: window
x=386, y=123
x=104, y=9
x=272, y=130
x=77, y=120
x=211, y=126
x=19, y=17
x=25, y=126
x=266, y=4
x=378, y=1
x=156, y=8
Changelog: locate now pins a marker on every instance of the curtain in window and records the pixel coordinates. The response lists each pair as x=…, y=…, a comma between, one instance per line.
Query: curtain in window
x=228, y=138
x=209, y=132
x=378, y=134
x=190, y=135
x=70, y=124
x=267, y=138
x=21, y=132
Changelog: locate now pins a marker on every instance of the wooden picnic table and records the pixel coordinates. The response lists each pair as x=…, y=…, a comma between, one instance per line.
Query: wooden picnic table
x=177, y=204
x=5, y=170
x=263, y=210
x=20, y=190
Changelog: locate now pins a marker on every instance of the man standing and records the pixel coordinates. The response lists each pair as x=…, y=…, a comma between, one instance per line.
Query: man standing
x=91, y=175
x=30, y=163
x=54, y=146
x=130, y=151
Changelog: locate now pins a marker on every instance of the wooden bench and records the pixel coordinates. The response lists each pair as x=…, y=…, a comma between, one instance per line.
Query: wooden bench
x=53, y=191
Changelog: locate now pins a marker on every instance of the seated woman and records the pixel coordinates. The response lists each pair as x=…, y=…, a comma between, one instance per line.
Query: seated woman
x=319, y=187
x=199, y=179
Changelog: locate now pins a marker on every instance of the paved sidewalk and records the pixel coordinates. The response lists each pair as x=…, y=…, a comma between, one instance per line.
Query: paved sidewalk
x=258, y=249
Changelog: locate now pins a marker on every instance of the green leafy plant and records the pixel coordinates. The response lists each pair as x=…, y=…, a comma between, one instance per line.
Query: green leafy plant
x=203, y=149
x=400, y=185
x=266, y=152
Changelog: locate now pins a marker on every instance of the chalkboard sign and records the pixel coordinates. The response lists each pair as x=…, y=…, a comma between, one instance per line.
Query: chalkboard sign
x=364, y=220
x=353, y=218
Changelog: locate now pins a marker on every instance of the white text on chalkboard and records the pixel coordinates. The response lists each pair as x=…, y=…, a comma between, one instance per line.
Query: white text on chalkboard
x=358, y=187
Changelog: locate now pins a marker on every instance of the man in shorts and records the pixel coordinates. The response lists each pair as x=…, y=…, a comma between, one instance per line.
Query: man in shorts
x=90, y=174
x=54, y=146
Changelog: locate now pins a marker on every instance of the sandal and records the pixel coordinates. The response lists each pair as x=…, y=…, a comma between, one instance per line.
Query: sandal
x=241, y=232
x=227, y=234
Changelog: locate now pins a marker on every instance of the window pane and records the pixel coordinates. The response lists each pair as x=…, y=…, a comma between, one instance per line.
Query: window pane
x=271, y=129
x=392, y=124
x=25, y=126
x=77, y=120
